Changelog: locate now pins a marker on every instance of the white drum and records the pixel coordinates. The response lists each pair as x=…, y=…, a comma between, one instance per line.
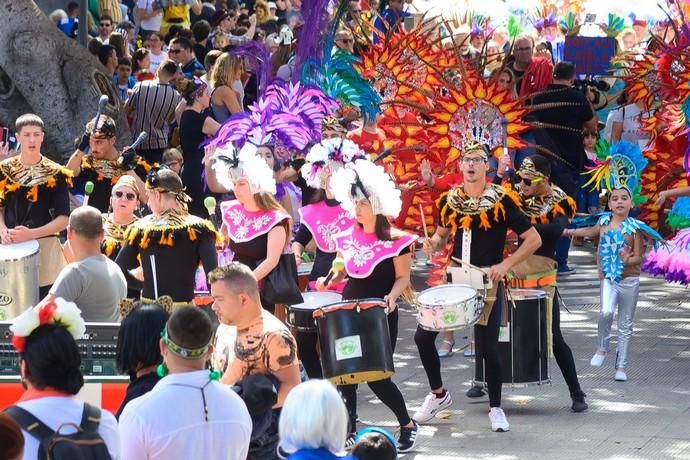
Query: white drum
x=448, y=307
x=18, y=278
x=301, y=316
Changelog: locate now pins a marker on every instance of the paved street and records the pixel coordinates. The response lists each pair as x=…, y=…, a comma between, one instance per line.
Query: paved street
x=647, y=417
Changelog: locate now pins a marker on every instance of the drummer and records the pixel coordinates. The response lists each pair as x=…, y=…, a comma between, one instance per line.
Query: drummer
x=103, y=165
x=550, y=210
x=479, y=214
x=169, y=243
x=377, y=263
x=34, y=199
x=319, y=222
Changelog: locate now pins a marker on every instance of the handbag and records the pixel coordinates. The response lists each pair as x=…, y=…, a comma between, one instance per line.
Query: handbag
x=280, y=286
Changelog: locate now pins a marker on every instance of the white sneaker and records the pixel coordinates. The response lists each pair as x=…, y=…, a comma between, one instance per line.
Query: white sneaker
x=621, y=376
x=498, y=419
x=597, y=360
x=432, y=406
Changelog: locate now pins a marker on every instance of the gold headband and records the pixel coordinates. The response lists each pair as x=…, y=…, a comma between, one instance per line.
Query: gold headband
x=473, y=147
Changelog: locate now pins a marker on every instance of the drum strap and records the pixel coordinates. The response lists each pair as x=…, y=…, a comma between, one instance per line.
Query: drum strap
x=466, y=245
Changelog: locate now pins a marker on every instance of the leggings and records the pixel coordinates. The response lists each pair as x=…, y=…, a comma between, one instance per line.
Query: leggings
x=622, y=296
x=387, y=391
x=486, y=340
x=561, y=350
x=307, y=344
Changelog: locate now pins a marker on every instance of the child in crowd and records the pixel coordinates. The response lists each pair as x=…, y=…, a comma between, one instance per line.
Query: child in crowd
x=374, y=444
x=619, y=259
x=172, y=158
x=124, y=81
x=588, y=200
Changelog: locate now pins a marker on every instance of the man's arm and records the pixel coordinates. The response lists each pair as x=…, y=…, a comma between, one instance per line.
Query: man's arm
x=289, y=378
x=20, y=233
x=4, y=232
x=74, y=162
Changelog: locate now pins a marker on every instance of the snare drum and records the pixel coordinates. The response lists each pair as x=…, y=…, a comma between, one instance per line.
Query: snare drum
x=19, y=281
x=301, y=316
x=303, y=273
x=355, y=341
x=448, y=307
x=522, y=343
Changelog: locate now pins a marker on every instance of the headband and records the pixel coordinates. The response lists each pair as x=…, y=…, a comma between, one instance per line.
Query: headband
x=377, y=430
x=528, y=167
x=182, y=352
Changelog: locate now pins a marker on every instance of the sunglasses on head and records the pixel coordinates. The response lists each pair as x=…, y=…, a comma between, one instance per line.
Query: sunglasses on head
x=529, y=182
x=129, y=195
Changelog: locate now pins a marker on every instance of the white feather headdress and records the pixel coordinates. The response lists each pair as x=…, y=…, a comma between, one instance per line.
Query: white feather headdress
x=330, y=154
x=231, y=165
x=364, y=179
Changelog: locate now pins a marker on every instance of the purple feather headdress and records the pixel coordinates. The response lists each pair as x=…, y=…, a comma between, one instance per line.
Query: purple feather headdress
x=289, y=115
x=258, y=59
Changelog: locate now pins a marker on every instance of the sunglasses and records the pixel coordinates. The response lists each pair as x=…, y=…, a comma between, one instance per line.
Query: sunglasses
x=130, y=196
x=174, y=51
x=106, y=25
x=529, y=182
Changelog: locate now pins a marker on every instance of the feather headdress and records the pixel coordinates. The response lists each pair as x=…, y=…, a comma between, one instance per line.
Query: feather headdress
x=364, y=179
x=621, y=168
x=331, y=155
x=231, y=164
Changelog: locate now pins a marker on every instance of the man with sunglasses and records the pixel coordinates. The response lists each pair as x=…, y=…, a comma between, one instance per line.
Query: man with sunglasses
x=103, y=165
x=479, y=214
x=169, y=244
x=550, y=210
x=105, y=28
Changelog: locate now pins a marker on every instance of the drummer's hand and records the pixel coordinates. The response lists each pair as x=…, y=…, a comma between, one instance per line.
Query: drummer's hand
x=298, y=259
x=5, y=236
x=662, y=198
x=320, y=284
x=498, y=272
x=19, y=234
x=391, y=302
x=428, y=247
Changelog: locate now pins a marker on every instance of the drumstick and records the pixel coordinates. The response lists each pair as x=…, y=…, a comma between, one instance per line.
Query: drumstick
x=421, y=211
x=462, y=262
x=337, y=265
x=155, y=280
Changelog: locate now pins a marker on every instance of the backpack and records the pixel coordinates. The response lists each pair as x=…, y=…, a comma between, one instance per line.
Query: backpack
x=85, y=444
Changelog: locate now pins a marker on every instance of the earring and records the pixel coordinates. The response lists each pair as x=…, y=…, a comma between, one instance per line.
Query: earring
x=162, y=370
x=214, y=374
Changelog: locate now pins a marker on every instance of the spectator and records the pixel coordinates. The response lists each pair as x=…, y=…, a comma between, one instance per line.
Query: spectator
x=105, y=28
x=375, y=444
x=49, y=365
x=261, y=343
x=150, y=15
x=313, y=422
x=176, y=12
x=220, y=42
x=138, y=347
x=70, y=25
x=94, y=46
x=223, y=22
x=201, y=31
x=108, y=57
x=228, y=91
x=118, y=41
x=181, y=52
x=154, y=44
x=392, y=17
x=172, y=158
x=11, y=438
x=57, y=16
x=209, y=63
x=112, y=9
x=93, y=282
x=588, y=199
x=123, y=79
x=344, y=40
x=188, y=414
x=571, y=112
x=152, y=104
x=626, y=122
x=207, y=10
x=532, y=73
x=195, y=125
x=141, y=63
x=293, y=15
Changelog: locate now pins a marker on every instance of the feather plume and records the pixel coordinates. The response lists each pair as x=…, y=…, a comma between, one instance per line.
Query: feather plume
x=258, y=57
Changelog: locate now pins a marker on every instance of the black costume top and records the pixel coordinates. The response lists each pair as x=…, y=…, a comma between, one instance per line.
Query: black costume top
x=114, y=236
x=489, y=217
x=104, y=174
x=34, y=195
x=178, y=241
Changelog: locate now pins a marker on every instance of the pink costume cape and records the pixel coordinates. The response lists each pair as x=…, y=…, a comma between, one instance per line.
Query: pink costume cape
x=243, y=225
x=324, y=222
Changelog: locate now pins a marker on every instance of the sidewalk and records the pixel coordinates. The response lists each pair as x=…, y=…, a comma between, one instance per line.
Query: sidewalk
x=647, y=417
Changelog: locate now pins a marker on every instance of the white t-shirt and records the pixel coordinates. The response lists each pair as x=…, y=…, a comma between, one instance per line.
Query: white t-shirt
x=629, y=115
x=53, y=411
x=153, y=23
x=168, y=422
x=157, y=60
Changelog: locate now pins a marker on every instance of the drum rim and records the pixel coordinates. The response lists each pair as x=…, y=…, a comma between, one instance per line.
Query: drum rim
x=297, y=306
x=370, y=302
x=34, y=245
x=538, y=294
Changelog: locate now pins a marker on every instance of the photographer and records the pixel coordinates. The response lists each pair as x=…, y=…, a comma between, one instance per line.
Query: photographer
x=571, y=112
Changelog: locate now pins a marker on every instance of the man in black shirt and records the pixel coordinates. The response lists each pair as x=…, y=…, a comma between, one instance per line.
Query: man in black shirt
x=479, y=214
x=570, y=113
x=550, y=210
x=34, y=199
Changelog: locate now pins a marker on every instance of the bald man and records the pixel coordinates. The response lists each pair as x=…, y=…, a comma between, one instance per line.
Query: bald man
x=93, y=282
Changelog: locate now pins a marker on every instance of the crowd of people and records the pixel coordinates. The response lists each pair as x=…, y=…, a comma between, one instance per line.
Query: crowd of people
x=278, y=137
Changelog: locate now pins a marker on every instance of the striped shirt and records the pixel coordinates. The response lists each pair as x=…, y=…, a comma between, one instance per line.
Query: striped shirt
x=154, y=108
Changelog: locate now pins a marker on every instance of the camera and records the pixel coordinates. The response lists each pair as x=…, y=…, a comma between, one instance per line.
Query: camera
x=597, y=87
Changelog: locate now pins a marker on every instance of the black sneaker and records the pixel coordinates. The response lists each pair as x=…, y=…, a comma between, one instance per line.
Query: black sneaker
x=579, y=404
x=350, y=441
x=475, y=392
x=407, y=438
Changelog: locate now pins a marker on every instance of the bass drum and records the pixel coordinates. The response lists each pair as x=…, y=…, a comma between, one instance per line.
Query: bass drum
x=522, y=343
x=19, y=278
x=355, y=341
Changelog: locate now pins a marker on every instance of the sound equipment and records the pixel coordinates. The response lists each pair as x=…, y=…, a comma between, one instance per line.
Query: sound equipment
x=98, y=348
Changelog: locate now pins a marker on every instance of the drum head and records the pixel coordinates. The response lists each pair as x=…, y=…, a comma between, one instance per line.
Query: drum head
x=18, y=251
x=314, y=300
x=525, y=294
x=305, y=268
x=448, y=294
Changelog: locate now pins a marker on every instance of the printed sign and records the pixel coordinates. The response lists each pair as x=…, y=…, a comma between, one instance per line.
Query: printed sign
x=504, y=333
x=348, y=347
x=591, y=55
